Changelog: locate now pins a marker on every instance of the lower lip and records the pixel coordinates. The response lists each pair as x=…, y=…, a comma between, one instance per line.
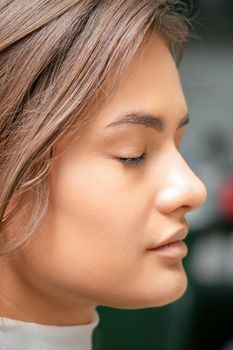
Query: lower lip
x=174, y=250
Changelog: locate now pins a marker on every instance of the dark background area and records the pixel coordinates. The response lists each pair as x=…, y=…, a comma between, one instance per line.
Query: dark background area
x=203, y=317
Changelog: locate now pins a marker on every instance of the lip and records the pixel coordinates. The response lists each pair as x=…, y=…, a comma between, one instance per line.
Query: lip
x=173, y=250
x=175, y=237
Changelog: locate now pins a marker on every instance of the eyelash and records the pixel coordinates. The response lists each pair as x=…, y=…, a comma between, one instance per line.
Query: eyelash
x=133, y=161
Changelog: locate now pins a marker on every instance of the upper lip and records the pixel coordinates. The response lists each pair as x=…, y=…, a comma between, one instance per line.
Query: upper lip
x=178, y=235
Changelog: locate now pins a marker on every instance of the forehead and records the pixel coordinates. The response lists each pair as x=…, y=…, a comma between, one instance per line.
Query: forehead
x=150, y=84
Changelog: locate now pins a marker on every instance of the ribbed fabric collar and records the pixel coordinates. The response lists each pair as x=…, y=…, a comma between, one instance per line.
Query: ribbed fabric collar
x=20, y=335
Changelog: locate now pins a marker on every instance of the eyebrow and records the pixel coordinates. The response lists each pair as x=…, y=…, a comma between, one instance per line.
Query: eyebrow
x=151, y=121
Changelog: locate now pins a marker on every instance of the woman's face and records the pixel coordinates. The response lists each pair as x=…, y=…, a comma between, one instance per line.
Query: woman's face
x=105, y=214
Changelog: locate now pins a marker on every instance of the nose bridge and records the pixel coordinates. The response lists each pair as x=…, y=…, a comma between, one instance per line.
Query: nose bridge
x=181, y=186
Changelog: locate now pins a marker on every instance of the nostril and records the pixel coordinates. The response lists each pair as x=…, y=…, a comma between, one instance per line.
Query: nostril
x=189, y=208
x=186, y=207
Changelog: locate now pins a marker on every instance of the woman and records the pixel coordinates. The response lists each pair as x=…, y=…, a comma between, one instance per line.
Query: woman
x=93, y=185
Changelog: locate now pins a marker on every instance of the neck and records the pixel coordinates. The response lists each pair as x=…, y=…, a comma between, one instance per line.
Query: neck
x=21, y=299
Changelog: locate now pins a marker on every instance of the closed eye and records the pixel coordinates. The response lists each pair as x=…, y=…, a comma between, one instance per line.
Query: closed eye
x=133, y=161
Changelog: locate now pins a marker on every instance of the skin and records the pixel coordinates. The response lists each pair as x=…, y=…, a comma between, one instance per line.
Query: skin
x=91, y=248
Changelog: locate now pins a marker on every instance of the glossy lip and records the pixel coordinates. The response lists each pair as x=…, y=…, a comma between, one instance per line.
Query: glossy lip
x=179, y=235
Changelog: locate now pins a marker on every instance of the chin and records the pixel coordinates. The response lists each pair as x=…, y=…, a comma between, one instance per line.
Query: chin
x=175, y=292
x=154, y=294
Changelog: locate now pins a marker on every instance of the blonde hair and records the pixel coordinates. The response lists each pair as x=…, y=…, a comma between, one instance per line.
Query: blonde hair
x=55, y=59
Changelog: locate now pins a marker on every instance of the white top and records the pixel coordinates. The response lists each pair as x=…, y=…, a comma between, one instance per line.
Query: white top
x=20, y=335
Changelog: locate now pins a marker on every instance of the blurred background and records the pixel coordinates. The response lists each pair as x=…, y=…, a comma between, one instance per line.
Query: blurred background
x=203, y=317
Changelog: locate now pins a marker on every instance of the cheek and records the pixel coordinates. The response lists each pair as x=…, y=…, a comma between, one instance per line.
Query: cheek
x=93, y=201
x=92, y=220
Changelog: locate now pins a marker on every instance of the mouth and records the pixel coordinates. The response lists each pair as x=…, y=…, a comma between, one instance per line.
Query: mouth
x=173, y=246
x=176, y=249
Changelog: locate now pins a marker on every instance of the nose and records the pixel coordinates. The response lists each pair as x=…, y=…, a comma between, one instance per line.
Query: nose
x=180, y=188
